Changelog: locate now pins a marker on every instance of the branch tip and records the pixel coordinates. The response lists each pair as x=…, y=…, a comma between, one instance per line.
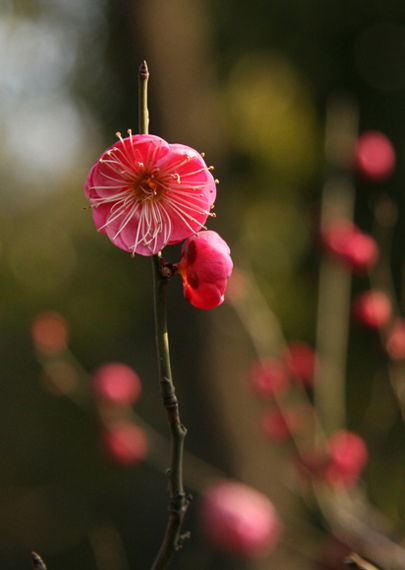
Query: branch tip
x=37, y=562
x=144, y=70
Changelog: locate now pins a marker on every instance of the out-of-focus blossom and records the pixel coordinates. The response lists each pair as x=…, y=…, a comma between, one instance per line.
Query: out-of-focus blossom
x=205, y=267
x=279, y=426
x=117, y=383
x=349, y=457
x=374, y=156
x=50, y=333
x=239, y=519
x=124, y=443
x=301, y=361
x=371, y=309
x=395, y=343
x=345, y=242
x=340, y=463
x=270, y=378
x=146, y=193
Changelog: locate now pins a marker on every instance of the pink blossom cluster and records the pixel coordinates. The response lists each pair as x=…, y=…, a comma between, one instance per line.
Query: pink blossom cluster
x=146, y=194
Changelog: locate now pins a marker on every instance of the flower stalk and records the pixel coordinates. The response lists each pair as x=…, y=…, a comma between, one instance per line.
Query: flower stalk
x=178, y=502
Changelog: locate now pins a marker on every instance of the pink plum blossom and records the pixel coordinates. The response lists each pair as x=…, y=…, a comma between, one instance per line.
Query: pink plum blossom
x=239, y=519
x=117, y=383
x=146, y=194
x=205, y=267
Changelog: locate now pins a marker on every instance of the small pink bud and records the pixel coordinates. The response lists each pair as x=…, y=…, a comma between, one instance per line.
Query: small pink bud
x=349, y=457
x=270, y=378
x=280, y=426
x=345, y=242
x=206, y=266
x=374, y=156
x=395, y=344
x=301, y=361
x=371, y=309
x=118, y=383
x=50, y=333
x=239, y=519
x=124, y=443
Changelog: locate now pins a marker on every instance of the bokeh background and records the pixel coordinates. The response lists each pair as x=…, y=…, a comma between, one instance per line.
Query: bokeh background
x=248, y=83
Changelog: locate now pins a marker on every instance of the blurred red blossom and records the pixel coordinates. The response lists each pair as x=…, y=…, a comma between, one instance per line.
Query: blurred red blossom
x=301, y=362
x=50, y=333
x=372, y=309
x=395, y=343
x=146, y=193
x=124, y=443
x=349, y=457
x=374, y=156
x=270, y=378
x=118, y=383
x=205, y=267
x=340, y=463
x=279, y=425
x=239, y=519
x=344, y=241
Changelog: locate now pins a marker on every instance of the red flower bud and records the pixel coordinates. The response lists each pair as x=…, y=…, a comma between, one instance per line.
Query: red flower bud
x=206, y=266
x=239, y=519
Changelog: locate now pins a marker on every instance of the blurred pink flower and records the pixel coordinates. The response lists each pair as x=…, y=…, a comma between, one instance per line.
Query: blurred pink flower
x=279, y=426
x=339, y=464
x=124, y=443
x=239, y=519
x=344, y=241
x=349, y=457
x=146, y=193
x=118, y=383
x=395, y=344
x=50, y=332
x=374, y=156
x=205, y=267
x=301, y=361
x=270, y=378
x=371, y=309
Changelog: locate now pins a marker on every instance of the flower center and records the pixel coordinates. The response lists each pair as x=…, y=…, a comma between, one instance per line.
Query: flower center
x=147, y=188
